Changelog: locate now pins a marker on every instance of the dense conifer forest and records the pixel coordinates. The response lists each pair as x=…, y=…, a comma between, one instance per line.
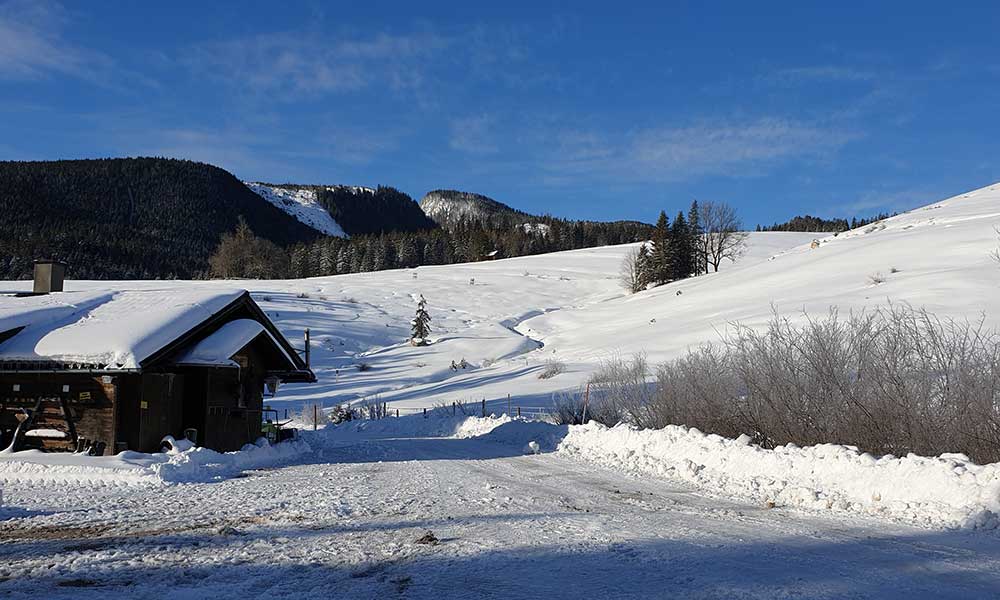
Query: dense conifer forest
x=818, y=224
x=129, y=218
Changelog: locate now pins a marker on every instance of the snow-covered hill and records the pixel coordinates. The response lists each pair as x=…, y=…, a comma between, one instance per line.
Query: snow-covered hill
x=449, y=208
x=510, y=319
x=301, y=203
x=936, y=257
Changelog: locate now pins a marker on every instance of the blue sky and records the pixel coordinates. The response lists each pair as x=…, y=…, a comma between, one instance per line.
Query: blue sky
x=603, y=110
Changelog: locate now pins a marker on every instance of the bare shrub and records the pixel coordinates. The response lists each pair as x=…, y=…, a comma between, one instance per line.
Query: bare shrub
x=363, y=366
x=620, y=392
x=552, y=368
x=891, y=381
x=876, y=278
x=568, y=409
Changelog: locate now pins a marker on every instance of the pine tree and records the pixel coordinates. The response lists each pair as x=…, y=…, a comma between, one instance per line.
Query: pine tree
x=420, y=325
x=697, y=239
x=658, y=268
x=681, y=251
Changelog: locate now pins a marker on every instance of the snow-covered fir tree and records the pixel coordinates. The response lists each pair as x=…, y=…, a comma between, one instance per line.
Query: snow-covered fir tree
x=420, y=325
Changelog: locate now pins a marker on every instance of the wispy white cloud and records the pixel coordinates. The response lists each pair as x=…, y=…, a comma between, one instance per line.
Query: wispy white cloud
x=890, y=200
x=473, y=135
x=33, y=44
x=295, y=64
x=819, y=73
x=423, y=59
x=676, y=153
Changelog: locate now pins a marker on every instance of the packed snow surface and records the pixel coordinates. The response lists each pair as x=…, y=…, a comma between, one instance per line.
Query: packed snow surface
x=508, y=517
x=300, y=203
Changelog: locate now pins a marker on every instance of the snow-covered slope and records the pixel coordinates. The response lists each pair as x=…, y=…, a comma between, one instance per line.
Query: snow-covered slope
x=937, y=257
x=301, y=203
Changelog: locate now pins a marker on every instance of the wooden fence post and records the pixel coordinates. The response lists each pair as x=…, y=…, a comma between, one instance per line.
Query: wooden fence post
x=425, y=412
x=484, y=407
x=518, y=412
x=315, y=417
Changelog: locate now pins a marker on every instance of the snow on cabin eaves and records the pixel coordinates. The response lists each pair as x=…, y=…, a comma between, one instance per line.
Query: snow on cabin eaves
x=117, y=329
x=302, y=204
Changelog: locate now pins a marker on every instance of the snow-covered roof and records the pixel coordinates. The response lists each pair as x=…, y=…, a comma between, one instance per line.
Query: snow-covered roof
x=219, y=348
x=112, y=329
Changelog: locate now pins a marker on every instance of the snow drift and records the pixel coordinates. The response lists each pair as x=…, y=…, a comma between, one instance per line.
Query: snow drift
x=947, y=491
x=183, y=464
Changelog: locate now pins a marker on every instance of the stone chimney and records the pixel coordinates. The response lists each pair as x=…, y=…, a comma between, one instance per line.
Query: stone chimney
x=49, y=276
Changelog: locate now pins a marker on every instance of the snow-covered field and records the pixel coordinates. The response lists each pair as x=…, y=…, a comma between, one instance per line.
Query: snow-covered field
x=588, y=509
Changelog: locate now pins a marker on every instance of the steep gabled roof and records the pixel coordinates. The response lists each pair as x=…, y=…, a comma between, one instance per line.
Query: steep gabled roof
x=127, y=329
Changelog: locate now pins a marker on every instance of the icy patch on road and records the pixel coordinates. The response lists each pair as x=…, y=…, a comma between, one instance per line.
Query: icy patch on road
x=948, y=491
x=190, y=465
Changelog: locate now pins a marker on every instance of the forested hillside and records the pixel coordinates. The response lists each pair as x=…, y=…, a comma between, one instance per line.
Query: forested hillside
x=819, y=224
x=127, y=218
x=362, y=211
x=462, y=243
x=452, y=208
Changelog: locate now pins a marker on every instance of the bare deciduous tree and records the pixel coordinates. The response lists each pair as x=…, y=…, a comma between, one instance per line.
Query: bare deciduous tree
x=996, y=252
x=632, y=275
x=243, y=254
x=721, y=237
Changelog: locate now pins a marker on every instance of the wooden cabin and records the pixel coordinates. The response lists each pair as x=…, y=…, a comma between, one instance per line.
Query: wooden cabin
x=127, y=368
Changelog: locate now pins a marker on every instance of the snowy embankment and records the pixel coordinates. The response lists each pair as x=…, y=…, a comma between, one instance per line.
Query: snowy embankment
x=184, y=464
x=941, y=492
x=947, y=491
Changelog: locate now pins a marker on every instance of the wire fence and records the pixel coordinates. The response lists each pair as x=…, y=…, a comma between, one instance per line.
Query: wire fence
x=319, y=413
x=483, y=408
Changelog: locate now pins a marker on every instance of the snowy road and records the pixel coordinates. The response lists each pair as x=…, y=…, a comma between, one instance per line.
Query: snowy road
x=344, y=524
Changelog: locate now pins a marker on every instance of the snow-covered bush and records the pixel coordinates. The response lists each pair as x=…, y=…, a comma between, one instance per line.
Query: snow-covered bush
x=343, y=413
x=310, y=415
x=620, y=392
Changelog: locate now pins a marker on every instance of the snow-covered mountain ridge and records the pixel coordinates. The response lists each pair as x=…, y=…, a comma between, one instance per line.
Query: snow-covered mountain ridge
x=301, y=203
x=449, y=208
